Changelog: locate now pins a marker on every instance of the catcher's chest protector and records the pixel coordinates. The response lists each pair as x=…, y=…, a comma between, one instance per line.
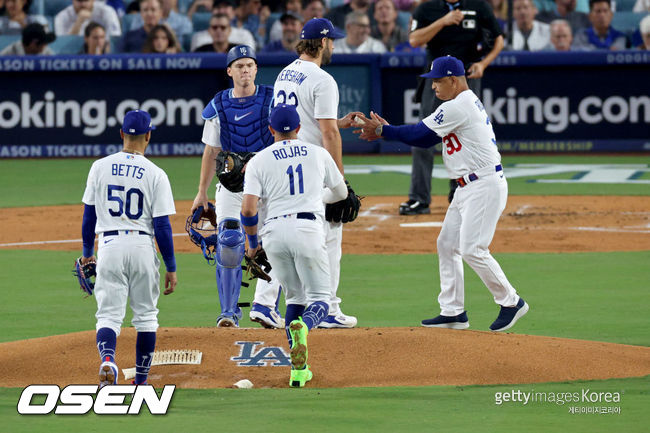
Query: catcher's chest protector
x=244, y=121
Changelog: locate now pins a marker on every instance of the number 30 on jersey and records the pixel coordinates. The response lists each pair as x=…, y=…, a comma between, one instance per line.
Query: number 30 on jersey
x=452, y=142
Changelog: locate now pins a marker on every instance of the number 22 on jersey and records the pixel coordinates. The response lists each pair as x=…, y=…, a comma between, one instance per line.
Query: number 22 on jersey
x=292, y=186
x=452, y=142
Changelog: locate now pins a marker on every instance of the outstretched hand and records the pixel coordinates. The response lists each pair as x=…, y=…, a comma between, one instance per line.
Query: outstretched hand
x=349, y=120
x=368, y=129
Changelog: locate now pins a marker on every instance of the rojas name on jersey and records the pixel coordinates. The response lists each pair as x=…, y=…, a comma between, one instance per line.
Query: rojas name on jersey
x=290, y=152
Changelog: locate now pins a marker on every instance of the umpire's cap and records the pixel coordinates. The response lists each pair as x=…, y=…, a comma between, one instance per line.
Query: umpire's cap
x=240, y=52
x=447, y=66
x=284, y=118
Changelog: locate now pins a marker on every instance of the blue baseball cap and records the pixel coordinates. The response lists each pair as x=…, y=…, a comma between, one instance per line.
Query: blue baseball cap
x=240, y=52
x=137, y=122
x=447, y=66
x=317, y=28
x=284, y=118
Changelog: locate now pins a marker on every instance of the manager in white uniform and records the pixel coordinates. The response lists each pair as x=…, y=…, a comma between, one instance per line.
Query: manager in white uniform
x=471, y=157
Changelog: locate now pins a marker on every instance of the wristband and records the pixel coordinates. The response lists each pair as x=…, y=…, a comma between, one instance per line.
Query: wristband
x=248, y=221
x=252, y=241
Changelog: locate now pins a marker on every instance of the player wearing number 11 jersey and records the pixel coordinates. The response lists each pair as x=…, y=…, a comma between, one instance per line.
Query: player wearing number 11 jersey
x=472, y=159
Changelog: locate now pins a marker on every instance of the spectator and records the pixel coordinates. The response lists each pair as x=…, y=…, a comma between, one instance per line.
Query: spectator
x=95, y=42
x=644, y=28
x=277, y=29
x=641, y=6
x=291, y=28
x=600, y=35
x=151, y=14
x=566, y=10
x=250, y=15
x=313, y=9
x=237, y=36
x=358, y=40
x=500, y=9
x=528, y=33
x=74, y=19
x=201, y=6
x=33, y=42
x=476, y=39
x=118, y=5
x=339, y=14
x=179, y=23
x=386, y=30
x=15, y=17
x=219, y=30
x=561, y=36
x=161, y=40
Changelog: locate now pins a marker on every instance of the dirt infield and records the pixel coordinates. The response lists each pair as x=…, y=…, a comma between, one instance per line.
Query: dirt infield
x=364, y=356
x=339, y=358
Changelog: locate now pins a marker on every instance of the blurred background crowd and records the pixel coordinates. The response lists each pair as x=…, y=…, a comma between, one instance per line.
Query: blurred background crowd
x=174, y=26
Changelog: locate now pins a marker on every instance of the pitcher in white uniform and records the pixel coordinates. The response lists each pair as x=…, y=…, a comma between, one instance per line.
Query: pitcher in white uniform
x=315, y=94
x=127, y=202
x=472, y=159
x=288, y=178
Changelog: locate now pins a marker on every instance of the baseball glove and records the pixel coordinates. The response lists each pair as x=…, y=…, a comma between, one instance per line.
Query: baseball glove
x=230, y=167
x=346, y=210
x=258, y=266
x=85, y=275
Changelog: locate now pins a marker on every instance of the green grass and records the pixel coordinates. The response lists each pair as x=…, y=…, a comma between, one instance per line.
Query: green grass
x=396, y=409
x=42, y=182
x=592, y=296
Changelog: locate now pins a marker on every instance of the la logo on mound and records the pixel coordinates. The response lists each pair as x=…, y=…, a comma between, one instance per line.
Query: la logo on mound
x=78, y=399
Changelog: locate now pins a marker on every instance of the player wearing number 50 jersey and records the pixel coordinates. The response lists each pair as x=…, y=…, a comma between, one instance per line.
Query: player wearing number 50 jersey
x=471, y=158
x=128, y=201
x=315, y=95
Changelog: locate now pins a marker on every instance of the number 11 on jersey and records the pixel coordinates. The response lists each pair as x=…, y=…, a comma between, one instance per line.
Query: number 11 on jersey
x=292, y=187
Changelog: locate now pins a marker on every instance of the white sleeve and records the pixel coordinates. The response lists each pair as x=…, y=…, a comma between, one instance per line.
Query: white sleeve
x=332, y=174
x=61, y=23
x=163, y=200
x=112, y=22
x=212, y=132
x=252, y=181
x=326, y=99
x=445, y=119
x=89, y=193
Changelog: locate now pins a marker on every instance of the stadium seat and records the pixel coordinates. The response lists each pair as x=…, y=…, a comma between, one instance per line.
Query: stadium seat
x=624, y=5
x=403, y=19
x=184, y=5
x=37, y=8
x=336, y=3
x=116, y=44
x=67, y=44
x=53, y=7
x=6, y=40
x=201, y=21
x=627, y=22
x=186, y=42
x=127, y=22
x=544, y=5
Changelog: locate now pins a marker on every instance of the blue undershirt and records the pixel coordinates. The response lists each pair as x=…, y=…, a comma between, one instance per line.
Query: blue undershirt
x=418, y=135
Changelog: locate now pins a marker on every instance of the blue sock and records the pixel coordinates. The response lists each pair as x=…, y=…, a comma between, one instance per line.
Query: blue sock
x=314, y=313
x=293, y=312
x=145, y=345
x=106, y=342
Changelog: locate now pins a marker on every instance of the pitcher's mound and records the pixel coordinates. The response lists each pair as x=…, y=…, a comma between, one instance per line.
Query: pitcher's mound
x=338, y=358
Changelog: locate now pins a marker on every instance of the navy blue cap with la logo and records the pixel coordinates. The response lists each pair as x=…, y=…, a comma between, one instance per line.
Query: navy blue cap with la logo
x=284, y=118
x=317, y=28
x=137, y=122
x=447, y=66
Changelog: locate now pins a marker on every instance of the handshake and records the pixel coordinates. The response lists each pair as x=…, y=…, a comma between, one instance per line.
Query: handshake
x=368, y=128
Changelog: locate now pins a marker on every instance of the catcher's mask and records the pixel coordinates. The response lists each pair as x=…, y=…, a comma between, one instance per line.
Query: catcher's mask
x=202, y=228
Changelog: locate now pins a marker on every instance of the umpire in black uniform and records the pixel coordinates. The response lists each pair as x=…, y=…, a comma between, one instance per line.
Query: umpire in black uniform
x=467, y=30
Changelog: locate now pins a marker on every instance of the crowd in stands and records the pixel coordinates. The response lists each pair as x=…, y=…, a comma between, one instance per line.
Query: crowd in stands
x=371, y=26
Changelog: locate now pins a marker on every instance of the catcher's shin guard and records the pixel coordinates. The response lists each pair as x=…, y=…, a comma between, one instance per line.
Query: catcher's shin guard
x=230, y=252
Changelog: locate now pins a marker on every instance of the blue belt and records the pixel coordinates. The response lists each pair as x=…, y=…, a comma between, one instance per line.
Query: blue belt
x=126, y=232
x=472, y=177
x=299, y=215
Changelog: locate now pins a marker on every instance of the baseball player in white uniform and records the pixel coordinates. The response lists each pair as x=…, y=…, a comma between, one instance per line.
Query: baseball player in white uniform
x=288, y=178
x=316, y=96
x=471, y=158
x=236, y=120
x=128, y=200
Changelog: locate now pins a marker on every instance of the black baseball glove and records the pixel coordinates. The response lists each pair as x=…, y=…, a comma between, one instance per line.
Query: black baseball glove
x=346, y=210
x=85, y=275
x=258, y=266
x=230, y=167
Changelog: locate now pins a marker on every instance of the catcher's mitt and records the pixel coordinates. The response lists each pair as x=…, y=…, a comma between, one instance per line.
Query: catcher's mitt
x=258, y=266
x=229, y=169
x=85, y=275
x=346, y=210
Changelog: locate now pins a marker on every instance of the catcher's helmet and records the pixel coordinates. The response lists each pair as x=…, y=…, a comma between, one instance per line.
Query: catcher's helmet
x=202, y=228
